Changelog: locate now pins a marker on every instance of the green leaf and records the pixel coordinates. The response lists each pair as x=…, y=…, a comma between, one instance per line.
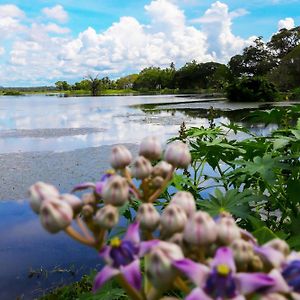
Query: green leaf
x=264, y=235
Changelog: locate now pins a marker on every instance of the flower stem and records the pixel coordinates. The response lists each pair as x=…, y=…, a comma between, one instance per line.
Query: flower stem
x=179, y=283
x=83, y=228
x=131, y=184
x=78, y=237
x=154, y=294
x=156, y=194
x=132, y=292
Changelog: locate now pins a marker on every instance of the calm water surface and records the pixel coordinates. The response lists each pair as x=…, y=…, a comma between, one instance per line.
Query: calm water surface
x=32, y=260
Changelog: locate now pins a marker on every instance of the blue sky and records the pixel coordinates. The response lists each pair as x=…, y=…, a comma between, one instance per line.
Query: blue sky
x=45, y=41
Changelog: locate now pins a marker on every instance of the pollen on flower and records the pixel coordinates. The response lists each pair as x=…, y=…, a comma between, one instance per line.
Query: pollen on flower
x=223, y=270
x=115, y=242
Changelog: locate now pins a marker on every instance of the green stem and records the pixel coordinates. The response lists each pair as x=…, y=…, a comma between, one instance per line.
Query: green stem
x=132, y=292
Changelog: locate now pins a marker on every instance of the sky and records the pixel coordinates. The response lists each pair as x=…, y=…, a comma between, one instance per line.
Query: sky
x=43, y=41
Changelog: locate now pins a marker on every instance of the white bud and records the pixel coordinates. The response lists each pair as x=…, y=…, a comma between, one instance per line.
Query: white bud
x=73, y=201
x=40, y=191
x=186, y=201
x=55, y=215
x=200, y=229
x=141, y=168
x=228, y=231
x=150, y=148
x=120, y=157
x=107, y=217
x=173, y=219
x=178, y=155
x=279, y=245
x=160, y=272
x=161, y=169
x=148, y=217
x=115, y=191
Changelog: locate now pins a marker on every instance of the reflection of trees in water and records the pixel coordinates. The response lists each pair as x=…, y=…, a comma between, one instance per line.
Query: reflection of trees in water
x=250, y=117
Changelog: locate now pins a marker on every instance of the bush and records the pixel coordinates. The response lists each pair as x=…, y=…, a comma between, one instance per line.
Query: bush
x=252, y=89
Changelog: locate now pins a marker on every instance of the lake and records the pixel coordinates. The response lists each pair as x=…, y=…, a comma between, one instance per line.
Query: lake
x=65, y=141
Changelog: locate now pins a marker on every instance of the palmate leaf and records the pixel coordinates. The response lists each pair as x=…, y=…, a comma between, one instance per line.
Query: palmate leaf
x=202, y=132
x=236, y=128
x=264, y=166
x=233, y=201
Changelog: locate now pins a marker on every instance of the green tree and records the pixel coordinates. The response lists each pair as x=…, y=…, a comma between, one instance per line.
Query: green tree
x=252, y=89
x=284, y=41
x=62, y=86
x=94, y=85
x=148, y=79
x=126, y=82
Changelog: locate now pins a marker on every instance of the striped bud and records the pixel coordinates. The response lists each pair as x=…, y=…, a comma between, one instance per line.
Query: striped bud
x=73, y=201
x=115, y=191
x=157, y=181
x=55, y=215
x=148, y=217
x=107, y=217
x=160, y=271
x=150, y=148
x=242, y=253
x=40, y=191
x=141, y=168
x=200, y=229
x=178, y=155
x=186, y=201
x=173, y=219
x=162, y=169
x=120, y=157
x=228, y=231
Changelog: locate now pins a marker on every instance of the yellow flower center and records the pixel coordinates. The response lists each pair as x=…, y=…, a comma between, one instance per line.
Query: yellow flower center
x=115, y=242
x=223, y=270
x=110, y=171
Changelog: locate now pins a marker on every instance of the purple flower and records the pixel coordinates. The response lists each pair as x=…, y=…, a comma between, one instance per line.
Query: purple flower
x=122, y=257
x=221, y=281
x=291, y=274
x=97, y=187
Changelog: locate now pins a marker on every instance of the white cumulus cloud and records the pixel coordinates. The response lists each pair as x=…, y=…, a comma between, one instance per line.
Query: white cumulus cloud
x=287, y=23
x=57, y=13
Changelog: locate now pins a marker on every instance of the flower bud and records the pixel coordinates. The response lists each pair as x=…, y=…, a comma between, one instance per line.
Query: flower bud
x=120, y=157
x=89, y=199
x=115, y=191
x=162, y=169
x=40, y=191
x=150, y=148
x=279, y=245
x=55, y=215
x=177, y=239
x=160, y=272
x=173, y=219
x=148, y=217
x=228, y=231
x=107, y=217
x=157, y=182
x=141, y=168
x=87, y=210
x=200, y=229
x=178, y=155
x=242, y=253
x=271, y=296
x=186, y=201
x=73, y=201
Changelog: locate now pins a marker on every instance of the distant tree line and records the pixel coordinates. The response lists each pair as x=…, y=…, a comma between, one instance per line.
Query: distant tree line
x=262, y=67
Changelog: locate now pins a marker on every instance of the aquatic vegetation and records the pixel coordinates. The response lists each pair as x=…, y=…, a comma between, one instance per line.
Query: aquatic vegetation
x=172, y=246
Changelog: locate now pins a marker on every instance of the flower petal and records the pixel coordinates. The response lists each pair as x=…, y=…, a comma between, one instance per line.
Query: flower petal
x=198, y=294
x=133, y=274
x=104, y=275
x=133, y=233
x=248, y=283
x=270, y=255
x=145, y=247
x=280, y=284
x=104, y=254
x=83, y=186
x=195, y=272
x=224, y=256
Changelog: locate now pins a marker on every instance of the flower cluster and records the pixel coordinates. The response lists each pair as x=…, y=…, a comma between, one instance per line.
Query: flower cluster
x=182, y=248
